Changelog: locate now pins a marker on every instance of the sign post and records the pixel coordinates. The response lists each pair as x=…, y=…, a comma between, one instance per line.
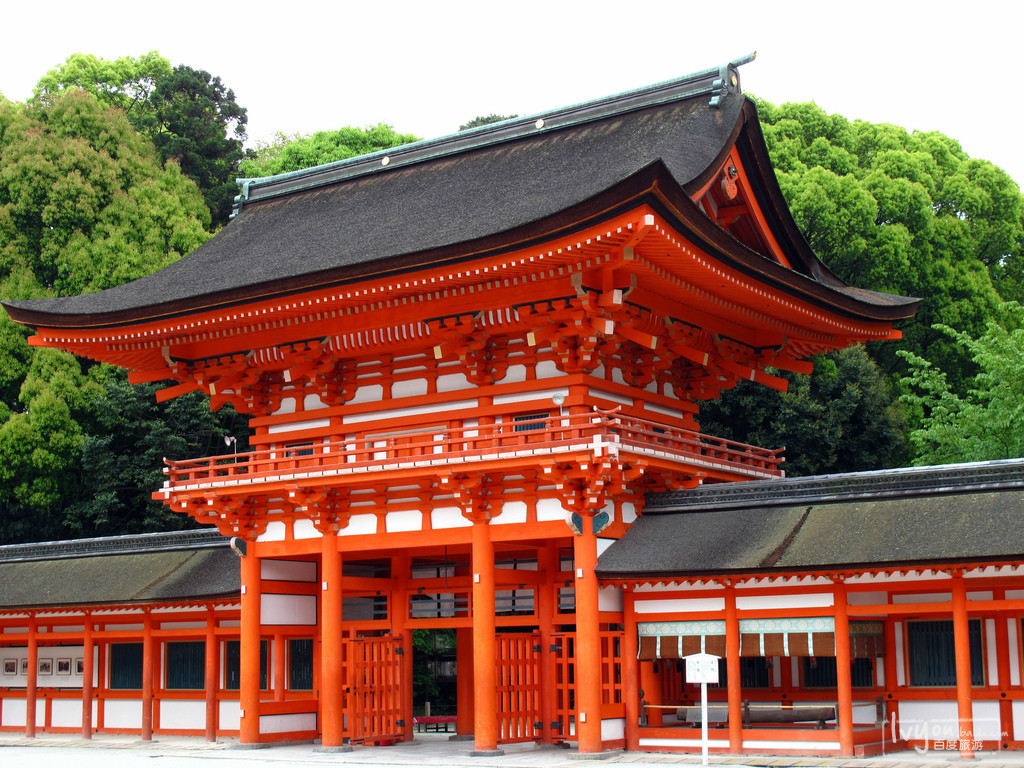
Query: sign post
x=702, y=668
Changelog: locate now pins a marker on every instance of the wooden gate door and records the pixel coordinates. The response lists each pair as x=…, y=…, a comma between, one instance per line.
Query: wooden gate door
x=564, y=649
x=519, y=687
x=373, y=689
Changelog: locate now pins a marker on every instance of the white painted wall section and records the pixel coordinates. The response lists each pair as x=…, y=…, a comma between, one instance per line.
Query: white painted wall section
x=287, y=609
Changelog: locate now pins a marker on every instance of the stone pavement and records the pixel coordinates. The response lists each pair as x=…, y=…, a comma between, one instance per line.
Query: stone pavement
x=427, y=750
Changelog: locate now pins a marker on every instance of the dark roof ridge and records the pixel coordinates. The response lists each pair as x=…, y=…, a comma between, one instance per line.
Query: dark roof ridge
x=716, y=82
x=875, y=484
x=205, y=538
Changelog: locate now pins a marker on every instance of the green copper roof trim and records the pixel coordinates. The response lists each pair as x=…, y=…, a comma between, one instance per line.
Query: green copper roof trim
x=716, y=82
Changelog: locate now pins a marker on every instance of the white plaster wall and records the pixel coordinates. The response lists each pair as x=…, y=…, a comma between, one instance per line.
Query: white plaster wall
x=67, y=713
x=293, y=426
x=288, y=723
x=288, y=570
x=901, y=670
x=287, y=406
x=176, y=713
x=406, y=520
x=275, y=532
x=511, y=512
x=1011, y=627
x=680, y=605
x=772, y=602
x=288, y=609
x=992, y=660
x=409, y=388
x=515, y=373
x=549, y=509
x=448, y=517
x=867, y=598
x=18, y=654
x=767, y=744
x=613, y=728
x=546, y=369
x=1018, y=716
x=359, y=525
x=609, y=599
x=229, y=716
x=452, y=382
x=369, y=393
x=313, y=403
x=420, y=410
x=933, y=597
x=304, y=529
x=987, y=725
x=122, y=713
x=628, y=512
x=713, y=743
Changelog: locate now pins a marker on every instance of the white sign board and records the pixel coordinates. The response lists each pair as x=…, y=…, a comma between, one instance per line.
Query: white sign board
x=701, y=668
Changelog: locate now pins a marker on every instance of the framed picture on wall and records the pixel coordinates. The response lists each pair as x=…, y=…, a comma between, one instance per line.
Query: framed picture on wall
x=63, y=666
x=10, y=667
x=79, y=666
x=46, y=666
x=24, y=666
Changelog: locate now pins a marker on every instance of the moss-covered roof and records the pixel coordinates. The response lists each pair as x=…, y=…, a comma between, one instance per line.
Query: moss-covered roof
x=151, y=568
x=910, y=517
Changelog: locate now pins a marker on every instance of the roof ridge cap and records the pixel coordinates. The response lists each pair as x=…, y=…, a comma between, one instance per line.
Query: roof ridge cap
x=715, y=81
x=875, y=484
x=162, y=541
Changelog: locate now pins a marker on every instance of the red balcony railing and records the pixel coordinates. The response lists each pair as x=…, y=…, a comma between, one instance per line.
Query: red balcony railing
x=600, y=432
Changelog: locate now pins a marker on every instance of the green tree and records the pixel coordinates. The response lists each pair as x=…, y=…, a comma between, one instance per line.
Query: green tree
x=841, y=418
x=197, y=123
x=191, y=116
x=987, y=421
x=480, y=120
x=293, y=153
x=125, y=83
x=84, y=204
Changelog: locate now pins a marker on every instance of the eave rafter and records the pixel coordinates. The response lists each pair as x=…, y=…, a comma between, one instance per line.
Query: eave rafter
x=627, y=282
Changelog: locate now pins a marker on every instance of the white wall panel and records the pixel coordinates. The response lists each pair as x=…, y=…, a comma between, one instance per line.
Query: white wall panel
x=181, y=714
x=288, y=609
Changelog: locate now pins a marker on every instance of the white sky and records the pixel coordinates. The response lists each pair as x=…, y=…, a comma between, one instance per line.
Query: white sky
x=425, y=67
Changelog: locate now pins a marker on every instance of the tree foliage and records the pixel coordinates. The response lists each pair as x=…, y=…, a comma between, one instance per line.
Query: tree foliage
x=841, y=418
x=898, y=212
x=189, y=115
x=481, y=120
x=197, y=123
x=293, y=153
x=985, y=422
x=84, y=204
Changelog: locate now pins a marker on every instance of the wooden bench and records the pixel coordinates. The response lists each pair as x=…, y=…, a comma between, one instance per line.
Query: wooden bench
x=433, y=723
x=761, y=713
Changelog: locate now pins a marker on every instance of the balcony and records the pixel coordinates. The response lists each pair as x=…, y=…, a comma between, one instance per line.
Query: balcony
x=597, y=434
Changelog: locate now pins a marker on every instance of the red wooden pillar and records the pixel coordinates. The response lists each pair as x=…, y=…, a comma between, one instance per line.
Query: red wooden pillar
x=844, y=681
x=87, y=673
x=650, y=684
x=148, y=666
x=31, y=682
x=631, y=671
x=211, y=676
x=962, y=651
x=588, y=639
x=332, y=679
x=547, y=563
x=249, y=650
x=464, y=688
x=485, y=730
x=401, y=572
x=732, y=666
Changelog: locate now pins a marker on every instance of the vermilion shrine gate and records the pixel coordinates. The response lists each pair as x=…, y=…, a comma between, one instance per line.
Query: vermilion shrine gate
x=467, y=361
